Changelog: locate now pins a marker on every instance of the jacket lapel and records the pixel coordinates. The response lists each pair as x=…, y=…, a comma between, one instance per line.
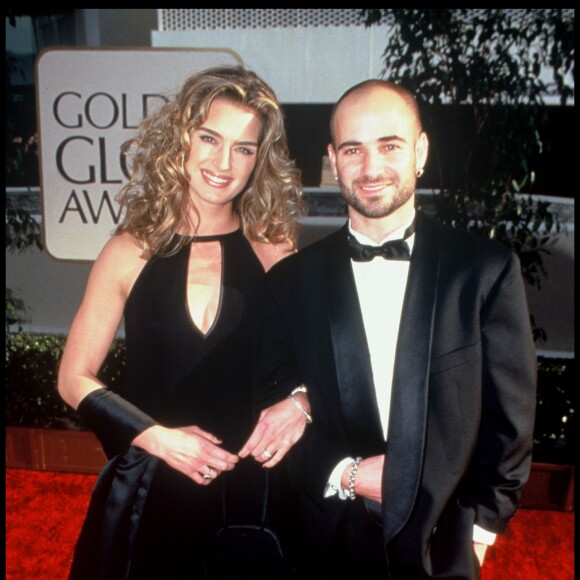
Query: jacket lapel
x=351, y=354
x=408, y=420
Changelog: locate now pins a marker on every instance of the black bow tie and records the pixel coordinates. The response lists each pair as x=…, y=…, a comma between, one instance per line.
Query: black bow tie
x=391, y=250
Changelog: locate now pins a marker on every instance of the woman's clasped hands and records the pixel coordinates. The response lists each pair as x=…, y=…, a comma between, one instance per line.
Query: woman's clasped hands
x=198, y=455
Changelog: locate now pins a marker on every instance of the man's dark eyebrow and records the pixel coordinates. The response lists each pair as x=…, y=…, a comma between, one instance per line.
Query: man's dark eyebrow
x=347, y=144
x=391, y=138
x=386, y=139
x=212, y=132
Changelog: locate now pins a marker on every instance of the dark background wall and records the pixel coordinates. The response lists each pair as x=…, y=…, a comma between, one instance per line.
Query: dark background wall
x=448, y=129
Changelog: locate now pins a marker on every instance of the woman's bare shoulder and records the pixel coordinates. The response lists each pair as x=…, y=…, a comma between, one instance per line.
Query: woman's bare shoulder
x=120, y=248
x=121, y=259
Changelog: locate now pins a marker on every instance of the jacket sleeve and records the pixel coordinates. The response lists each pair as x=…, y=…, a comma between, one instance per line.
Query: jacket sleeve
x=282, y=366
x=503, y=456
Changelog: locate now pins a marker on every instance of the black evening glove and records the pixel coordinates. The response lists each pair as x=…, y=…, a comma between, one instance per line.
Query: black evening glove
x=115, y=421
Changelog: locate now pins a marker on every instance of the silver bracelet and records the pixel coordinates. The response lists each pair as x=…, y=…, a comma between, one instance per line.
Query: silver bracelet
x=306, y=413
x=352, y=477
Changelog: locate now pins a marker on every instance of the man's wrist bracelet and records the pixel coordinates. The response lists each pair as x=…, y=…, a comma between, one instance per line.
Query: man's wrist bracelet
x=352, y=478
x=304, y=411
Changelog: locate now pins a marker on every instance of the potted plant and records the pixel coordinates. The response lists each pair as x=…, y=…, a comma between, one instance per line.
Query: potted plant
x=485, y=68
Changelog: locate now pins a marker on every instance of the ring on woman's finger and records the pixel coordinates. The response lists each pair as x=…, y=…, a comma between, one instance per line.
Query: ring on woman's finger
x=267, y=454
x=208, y=475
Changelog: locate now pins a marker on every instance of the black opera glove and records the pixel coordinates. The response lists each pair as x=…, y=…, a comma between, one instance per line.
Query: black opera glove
x=114, y=420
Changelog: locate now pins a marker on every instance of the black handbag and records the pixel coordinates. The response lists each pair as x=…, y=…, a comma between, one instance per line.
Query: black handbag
x=246, y=552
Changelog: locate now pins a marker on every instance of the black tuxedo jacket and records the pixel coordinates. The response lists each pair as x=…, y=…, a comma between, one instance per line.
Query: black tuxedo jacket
x=459, y=444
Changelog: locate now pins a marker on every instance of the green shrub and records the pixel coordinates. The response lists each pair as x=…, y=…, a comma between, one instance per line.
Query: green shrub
x=31, y=373
x=555, y=429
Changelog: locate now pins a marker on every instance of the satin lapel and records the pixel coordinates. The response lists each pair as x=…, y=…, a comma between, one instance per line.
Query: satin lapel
x=408, y=420
x=351, y=354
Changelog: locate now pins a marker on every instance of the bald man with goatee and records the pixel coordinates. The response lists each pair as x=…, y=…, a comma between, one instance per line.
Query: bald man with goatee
x=413, y=340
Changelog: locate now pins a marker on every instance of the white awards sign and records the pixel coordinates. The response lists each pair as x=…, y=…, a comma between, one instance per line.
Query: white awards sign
x=89, y=102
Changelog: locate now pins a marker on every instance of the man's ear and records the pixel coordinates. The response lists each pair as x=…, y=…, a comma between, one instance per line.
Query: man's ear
x=332, y=158
x=421, y=150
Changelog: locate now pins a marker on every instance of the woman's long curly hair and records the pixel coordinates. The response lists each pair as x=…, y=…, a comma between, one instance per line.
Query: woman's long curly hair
x=156, y=200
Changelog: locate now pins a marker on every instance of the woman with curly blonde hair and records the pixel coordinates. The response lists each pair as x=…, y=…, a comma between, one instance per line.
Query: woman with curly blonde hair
x=213, y=203
x=157, y=199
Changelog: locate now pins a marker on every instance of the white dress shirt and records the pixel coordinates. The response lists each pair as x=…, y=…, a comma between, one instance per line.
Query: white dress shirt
x=380, y=286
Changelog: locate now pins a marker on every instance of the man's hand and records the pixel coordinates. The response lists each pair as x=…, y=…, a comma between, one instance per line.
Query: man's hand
x=480, y=550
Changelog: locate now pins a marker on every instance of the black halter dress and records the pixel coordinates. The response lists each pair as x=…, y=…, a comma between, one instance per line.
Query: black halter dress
x=146, y=520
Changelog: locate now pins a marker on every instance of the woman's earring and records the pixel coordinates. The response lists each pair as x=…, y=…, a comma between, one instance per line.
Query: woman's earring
x=419, y=172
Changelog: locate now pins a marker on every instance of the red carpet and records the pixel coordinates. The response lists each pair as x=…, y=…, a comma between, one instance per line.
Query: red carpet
x=538, y=545
x=44, y=513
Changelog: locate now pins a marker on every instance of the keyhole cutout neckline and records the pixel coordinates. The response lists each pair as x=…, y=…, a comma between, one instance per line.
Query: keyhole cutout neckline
x=203, y=321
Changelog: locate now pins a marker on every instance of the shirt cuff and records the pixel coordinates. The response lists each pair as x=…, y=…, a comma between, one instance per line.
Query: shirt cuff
x=481, y=536
x=333, y=486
